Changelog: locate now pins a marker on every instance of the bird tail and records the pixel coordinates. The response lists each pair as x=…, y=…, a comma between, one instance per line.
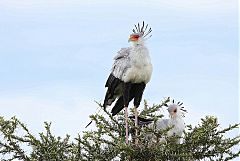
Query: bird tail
x=97, y=112
x=142, y=121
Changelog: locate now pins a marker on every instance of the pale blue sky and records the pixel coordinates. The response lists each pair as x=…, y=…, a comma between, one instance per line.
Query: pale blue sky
x=55, y=57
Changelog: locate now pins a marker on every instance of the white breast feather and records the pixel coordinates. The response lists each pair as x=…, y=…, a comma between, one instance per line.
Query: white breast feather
x=141, y=67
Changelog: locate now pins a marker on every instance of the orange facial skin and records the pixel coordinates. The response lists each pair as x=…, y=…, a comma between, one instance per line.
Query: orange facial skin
x=133, y=37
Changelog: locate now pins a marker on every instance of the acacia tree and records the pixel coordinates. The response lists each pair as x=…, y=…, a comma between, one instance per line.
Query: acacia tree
x=206, y=141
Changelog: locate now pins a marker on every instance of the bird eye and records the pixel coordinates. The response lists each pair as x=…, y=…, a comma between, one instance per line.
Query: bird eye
x=175, y=111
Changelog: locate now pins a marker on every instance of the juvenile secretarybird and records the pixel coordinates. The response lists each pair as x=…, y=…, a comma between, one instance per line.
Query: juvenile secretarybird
x=131, y=71
x=176, y=114
x=175, y=122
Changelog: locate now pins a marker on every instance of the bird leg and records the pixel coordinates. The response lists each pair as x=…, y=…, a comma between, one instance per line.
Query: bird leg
x=138, y=97
x=136, y=124
x=126, y=124
x=126, y=92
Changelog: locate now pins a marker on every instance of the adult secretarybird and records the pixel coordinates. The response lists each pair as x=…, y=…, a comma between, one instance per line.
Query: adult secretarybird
x=131, y=71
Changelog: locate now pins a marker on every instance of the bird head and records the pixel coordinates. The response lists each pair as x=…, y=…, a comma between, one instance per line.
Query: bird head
x=173, y=110
x=176, y=110
x=139, y=34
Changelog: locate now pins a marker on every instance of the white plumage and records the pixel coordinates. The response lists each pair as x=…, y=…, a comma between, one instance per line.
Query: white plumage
x=175, y=121
x=133, y=64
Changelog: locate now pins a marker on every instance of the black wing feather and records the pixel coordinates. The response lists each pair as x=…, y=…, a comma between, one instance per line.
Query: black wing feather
x=135, y=91
x=112, y=85
x=120, y=104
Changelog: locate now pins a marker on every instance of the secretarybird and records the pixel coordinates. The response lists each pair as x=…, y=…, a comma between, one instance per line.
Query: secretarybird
x=131, y=71
x=175, y=122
